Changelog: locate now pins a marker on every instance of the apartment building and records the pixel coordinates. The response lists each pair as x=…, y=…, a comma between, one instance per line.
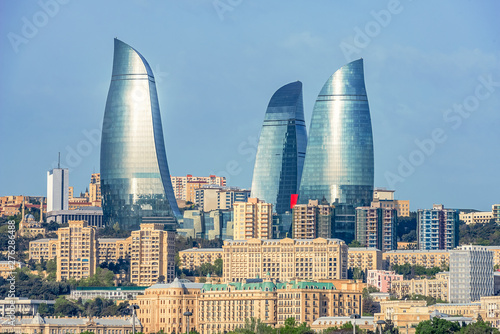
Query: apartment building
x=376, y=227
x=436, y=288
x=179, y=183
x=252, y=219
x=43, y=249
x=312, y=220
x=113, y=249
x=382, y=279
x=495, y=209
x=152, y=255
x=424, y=258
x=77, y=251
x=95, y=189
x=285, y=259
x=364, y=258
x=437, y=228
x=212, y=197
x=471, y=274
x=193, y=258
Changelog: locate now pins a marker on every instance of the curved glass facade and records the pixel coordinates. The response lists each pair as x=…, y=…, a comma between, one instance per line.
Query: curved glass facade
x=281, y=150
x=135, y=180
x=339, y=163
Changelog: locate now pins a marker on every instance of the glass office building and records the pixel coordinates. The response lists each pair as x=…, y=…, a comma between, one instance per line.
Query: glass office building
x=135, y=180
x=281, y=150
x=339, y=159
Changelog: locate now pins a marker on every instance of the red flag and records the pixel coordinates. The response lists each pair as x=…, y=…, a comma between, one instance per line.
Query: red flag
x=293, y=200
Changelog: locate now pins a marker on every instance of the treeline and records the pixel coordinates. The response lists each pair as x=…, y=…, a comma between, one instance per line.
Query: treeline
x=97, y=307
x=480, y=234
x=202, y=271
x=408, y=271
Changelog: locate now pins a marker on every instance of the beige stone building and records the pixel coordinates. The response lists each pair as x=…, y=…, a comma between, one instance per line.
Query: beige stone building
x=43, y=248
x=95, y=189
x=496, y=254
x=490, y=310
x=364, y=258
x=436, y=288
x=476, y=217
x=162, y=306
x=252, y=219
x=152, y=255
x=285, y=259
x=76, y=251
x=113, y=249
x=179, y=183
x=425, y=258
x=403, y=313
x=403, y=207
x=223, y=307
x=7, y=267
x=193, y=258
x=312, y=220
x=457, y=309
x=58, y=325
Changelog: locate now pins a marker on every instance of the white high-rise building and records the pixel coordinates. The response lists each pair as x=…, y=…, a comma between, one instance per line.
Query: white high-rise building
x=57, y=189
x=471, y=274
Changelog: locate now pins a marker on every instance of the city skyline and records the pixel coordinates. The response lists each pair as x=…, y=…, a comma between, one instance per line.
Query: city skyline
x=433, y=87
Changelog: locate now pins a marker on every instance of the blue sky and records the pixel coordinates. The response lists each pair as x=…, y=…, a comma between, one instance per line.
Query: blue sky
x=431, y=68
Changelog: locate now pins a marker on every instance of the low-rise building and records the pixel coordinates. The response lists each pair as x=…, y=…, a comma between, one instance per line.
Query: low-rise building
x=24, y=306
x=457, y=309
x=193, y=258
x=7, y=267
x=322, y=323
x=382, y=279
x=364, y=258
x=107, y=292
x=476, y=217
x=53, y=325
x=490, y=310
x=43, y=249
x=436, y=288
x=424, y=258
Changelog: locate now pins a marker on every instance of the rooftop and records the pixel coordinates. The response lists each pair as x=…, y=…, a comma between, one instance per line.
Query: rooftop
x=194, y=250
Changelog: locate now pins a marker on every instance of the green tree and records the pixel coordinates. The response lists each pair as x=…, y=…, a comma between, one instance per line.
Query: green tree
x=437, y=326
x=219, y=266
x=355, y=243
x=64, y=307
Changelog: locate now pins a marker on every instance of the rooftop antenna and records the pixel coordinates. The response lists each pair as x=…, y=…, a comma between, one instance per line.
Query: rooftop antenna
x=59, y=161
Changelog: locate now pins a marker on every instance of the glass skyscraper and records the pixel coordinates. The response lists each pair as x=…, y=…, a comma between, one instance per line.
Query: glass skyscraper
x=135, y=180
x=281, y=150
x=339, y=159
